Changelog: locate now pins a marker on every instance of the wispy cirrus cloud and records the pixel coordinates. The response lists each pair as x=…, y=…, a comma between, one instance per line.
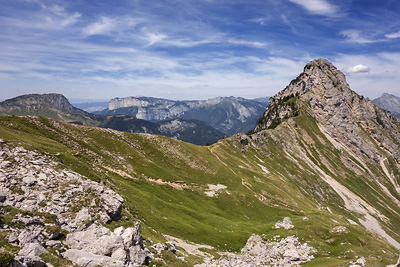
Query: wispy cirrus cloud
x=61, y=16
x=357, y=36
x=151, y=37
x=101, y=27
x=318, y=7
x=393, y=35
x=247, y=43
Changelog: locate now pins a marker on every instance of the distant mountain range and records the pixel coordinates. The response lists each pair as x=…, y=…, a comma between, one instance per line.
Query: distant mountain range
x=229, y=115
x=390, y=103
x=57, y=107
x=91, y=106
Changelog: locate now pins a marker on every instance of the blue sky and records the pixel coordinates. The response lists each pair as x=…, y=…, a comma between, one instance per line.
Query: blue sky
x=193, y=49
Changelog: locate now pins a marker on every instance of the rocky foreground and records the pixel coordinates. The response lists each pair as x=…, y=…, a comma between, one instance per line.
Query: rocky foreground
x=56, y=208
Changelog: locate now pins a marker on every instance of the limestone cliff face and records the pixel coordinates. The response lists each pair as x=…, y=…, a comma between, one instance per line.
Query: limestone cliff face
x=347, y=117
x=229, y=115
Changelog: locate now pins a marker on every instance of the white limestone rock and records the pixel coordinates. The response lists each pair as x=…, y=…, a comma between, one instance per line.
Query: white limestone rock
x=88, y=259
x=286, y=224
x=32, y=250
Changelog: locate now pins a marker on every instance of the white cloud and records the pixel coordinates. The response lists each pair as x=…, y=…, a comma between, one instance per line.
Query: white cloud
x=58, y=15
x=319, y=7
x=247, y=43
x=71, y=19
x=357, y=68
x=104, y=26
x=384, y=74
x=355, y=36
x=153, y=38
x=393, y=35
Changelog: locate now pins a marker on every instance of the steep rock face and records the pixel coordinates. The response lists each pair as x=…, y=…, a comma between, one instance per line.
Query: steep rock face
x=229, y=115
x=346, y=116
x=390, y=103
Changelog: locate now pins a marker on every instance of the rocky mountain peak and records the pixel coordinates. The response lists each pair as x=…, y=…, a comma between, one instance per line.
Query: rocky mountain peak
x=320, y=77
x=321, y=91
x=320, y=80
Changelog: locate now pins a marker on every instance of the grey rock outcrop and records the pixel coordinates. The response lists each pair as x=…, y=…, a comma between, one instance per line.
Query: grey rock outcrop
x=43, y=185
x=35, y=183
x=259, y=252
x=29, y=261
x=122, y=245
x=286, y=224
x=85, y=258
x=32, y=249
x=29, y=255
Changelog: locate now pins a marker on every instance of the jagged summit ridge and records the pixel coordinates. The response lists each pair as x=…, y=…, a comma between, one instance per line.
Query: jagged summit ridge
x=318, y=72
x=321, y=90
x=319, y=80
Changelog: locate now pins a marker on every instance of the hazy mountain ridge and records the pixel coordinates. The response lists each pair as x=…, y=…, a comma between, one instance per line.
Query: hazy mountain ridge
x=325, y=174
x=91, y=107
x=192, y=131
x=389, y=102
x=229, y=115
x=54, y=106
x=57, y=107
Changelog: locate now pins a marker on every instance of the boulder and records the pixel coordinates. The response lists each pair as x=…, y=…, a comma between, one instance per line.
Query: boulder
x=286, y=224
x=119, y=254
x=29, y=180
x=82, y=216
x=30, y=261
x=53, y=244
x=137, y=255
x=30, y=235
x=112, y=204
x=133, y=236
x=3, y=195
x=96, y=239
x=32, y=250
x=88, y=259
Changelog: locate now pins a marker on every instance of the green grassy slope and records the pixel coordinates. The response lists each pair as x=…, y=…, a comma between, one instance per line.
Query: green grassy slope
x=268, y=176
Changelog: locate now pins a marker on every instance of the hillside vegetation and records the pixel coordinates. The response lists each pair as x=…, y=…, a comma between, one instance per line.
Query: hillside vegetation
x=343, y=199
x=164, y=184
